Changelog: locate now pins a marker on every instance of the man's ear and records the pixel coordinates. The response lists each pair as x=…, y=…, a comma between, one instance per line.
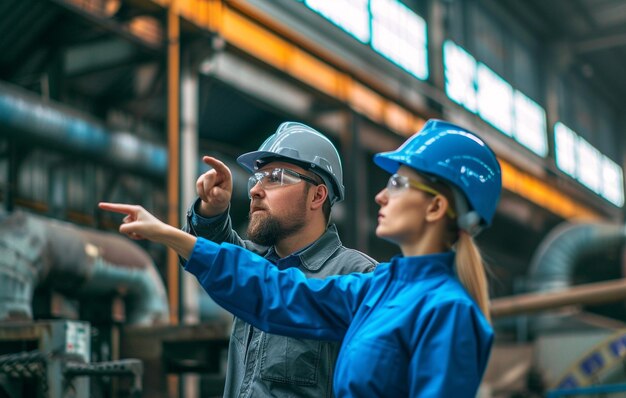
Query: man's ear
x=320, y=193
x=437, y=208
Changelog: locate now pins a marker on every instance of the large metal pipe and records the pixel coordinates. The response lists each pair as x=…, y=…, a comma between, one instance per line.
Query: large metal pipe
x=588, y=294
x=77, y=262
x=552, y=269
x=27, y=116
x=552, y=266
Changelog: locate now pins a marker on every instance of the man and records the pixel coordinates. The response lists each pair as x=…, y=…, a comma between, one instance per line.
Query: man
x=297, y=177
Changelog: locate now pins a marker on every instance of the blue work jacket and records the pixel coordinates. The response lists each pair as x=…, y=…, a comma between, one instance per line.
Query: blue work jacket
x=409, y=329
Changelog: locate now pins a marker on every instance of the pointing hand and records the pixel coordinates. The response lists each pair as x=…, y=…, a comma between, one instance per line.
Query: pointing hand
x=214, y=188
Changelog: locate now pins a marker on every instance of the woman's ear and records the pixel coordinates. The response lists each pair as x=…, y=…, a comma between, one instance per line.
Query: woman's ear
x=437, y=208
x=320, y=193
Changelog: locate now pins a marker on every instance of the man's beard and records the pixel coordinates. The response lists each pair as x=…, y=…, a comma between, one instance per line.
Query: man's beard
x=267, y=230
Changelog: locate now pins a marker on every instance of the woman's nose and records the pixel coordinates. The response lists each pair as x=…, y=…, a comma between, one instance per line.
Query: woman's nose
x=381, y=197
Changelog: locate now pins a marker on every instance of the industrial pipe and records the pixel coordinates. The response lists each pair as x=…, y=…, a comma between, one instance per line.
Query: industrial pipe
x=589, y=294
x=552, y=266
x=77, y=262
x=26, y=116
x=552, y=271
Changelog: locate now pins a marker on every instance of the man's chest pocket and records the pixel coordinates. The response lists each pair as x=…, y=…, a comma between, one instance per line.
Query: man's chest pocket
x=291, y=361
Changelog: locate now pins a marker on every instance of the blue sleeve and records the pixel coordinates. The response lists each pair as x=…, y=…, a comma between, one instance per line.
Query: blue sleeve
x=453, y=345
x=280, y=302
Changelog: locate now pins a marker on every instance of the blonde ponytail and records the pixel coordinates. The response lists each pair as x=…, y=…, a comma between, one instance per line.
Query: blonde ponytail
x=471, y=271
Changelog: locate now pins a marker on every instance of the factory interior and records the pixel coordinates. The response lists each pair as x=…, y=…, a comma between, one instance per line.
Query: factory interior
x=118, y=100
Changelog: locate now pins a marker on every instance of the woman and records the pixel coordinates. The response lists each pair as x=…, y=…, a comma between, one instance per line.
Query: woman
x=408, y=329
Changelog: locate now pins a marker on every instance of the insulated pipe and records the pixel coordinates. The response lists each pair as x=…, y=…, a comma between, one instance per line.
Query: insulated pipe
x=552, y=266
x=77, y=262
x=27, y=116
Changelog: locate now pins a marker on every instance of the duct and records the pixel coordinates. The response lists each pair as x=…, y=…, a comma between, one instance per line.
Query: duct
x=77, y=262
x=27, y=116
x=552, y=266
x=552, y=270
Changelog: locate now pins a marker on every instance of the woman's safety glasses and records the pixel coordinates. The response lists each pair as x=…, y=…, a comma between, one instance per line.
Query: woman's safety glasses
x=277, y=178
x=398, y=183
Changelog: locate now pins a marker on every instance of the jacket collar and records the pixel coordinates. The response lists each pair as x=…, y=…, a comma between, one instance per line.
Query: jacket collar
x=314, y=256
x=420, y=267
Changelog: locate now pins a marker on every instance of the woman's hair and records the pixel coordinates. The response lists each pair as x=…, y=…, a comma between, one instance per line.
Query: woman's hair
x=470, y=266
x=471, y=271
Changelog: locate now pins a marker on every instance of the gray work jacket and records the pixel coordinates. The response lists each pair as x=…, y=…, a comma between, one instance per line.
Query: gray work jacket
x=266, y=365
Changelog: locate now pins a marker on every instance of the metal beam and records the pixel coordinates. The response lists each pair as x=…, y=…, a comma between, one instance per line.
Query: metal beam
x=254, y=81
x=95, y=56
x=588, y=294
x=173, y=139
x=600, y=43
x=189, y=172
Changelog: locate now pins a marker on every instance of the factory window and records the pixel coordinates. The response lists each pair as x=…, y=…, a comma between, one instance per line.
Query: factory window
x=579, y=159
x=350, y=15
x=495, y=99
x=507, y=49
x=460, y=72
x=479, y=89
x=400, y=35
x=392, y=28
x=586, y=112
x=495, y=73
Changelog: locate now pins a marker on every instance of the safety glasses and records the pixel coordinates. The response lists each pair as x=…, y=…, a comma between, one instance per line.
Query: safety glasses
x=277, y=177
x=398, y=183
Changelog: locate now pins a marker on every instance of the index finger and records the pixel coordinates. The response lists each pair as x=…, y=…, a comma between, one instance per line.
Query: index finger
x=117, y=207
x=217, y=164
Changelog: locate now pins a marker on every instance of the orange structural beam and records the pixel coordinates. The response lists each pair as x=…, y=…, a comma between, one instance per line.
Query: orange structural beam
x=173, y=152
x=544, y=195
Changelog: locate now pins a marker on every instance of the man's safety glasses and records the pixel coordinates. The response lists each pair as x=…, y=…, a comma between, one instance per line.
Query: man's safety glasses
x=398, y=183
x=277, y=178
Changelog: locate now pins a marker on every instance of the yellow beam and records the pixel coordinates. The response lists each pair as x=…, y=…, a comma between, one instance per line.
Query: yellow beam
x=544, y=195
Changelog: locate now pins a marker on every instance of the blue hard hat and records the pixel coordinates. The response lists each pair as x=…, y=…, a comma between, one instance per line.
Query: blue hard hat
x=459, y=158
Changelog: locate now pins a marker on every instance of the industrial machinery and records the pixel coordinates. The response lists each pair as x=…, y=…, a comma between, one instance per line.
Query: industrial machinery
x=52, y=359
x=84, y=314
